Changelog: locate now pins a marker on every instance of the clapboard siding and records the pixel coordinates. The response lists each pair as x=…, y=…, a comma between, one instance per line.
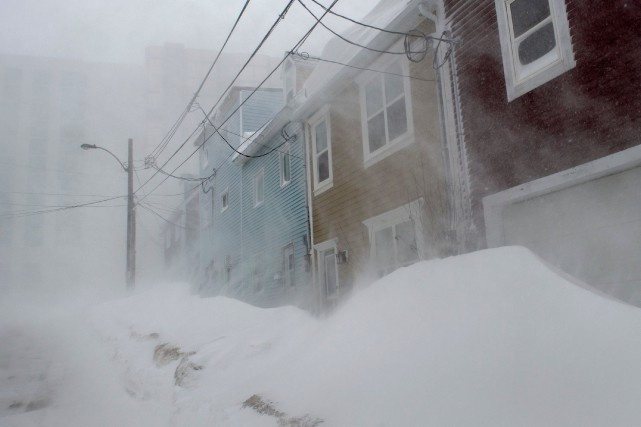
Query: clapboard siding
x=588, y=112
x=359, y=193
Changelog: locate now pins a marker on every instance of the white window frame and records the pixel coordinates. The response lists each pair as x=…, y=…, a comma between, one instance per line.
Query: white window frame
x=289, y=80
x=520, y=81
x=411, y=211
x=224, y=200
x=285, y=156
x=402, y=141
x=259, y=177
x=289, y=275
x=321, y=248
x=312, y=122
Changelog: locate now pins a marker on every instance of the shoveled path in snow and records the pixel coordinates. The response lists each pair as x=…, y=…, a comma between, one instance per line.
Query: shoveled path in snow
x=57, y=372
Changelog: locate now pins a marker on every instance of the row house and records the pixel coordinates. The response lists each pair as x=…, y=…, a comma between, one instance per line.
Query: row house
x=543, y=116
x=255, y=239
x=378, y=197
x=345, y=182
x=496, y=122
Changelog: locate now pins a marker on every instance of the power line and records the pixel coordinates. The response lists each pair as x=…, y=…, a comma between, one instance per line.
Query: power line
x=156, y=152
x=54, y=194
x=267, y=35
x=306, y=56
x=400, y=33
x=58, y=209
x=345, y=39
x=294, y=48
x=147, y=208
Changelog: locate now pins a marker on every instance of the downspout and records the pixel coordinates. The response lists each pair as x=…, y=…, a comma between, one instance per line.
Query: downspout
x=310, y=217
x=454, y=151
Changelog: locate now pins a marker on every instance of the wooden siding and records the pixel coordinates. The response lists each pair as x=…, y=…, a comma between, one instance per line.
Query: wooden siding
x=588, y=112
x=279, y=221
x=360, y=193
x=260, y=108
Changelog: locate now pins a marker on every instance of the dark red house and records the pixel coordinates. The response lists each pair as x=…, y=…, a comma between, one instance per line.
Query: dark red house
x=542, y=114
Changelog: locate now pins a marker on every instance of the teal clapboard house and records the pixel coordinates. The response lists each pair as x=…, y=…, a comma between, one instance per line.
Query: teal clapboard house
x=254, y=218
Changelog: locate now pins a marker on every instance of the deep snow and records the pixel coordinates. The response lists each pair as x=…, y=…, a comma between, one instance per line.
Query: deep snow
x=493, y=338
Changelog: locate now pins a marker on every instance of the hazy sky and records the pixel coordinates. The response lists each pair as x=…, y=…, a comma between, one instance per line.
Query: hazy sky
x=119, y=30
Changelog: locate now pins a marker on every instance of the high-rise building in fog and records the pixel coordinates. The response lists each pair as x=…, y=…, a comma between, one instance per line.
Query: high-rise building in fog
x=48, y=107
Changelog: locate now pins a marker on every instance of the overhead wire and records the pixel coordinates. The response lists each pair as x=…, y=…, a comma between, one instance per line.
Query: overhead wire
x=156, y=152
x=305, y=56
x=295, y=47
x=52, y=210
x=264, y=39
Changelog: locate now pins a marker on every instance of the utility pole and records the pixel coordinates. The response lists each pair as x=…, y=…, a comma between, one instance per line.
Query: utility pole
x=131, y=210
x=131, y=221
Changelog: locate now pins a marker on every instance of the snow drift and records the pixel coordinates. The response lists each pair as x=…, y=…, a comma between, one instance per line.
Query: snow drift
x=493, y=338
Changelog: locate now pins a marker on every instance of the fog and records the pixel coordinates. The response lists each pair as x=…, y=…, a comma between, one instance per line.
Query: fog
x=376, y=330
x=83, y=72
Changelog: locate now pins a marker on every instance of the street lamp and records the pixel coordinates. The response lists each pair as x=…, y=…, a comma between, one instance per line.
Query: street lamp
x=131, y=213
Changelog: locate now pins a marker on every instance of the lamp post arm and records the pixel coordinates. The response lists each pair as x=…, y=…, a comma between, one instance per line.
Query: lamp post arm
x=88, y=146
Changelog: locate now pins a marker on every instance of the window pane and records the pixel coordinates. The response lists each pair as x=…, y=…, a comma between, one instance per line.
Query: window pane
x=537, y=44
x=376, y=132
x=527, y=13
x=393, y=84
x=330, y=272
x=285, y=172
x=321, y=137
x=373, y=97
x=406, y=248
x=397, y=119
x=323, y=166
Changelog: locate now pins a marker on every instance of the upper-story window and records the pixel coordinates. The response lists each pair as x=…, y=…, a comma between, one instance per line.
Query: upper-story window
x=320, y=130
x=285, y=165
x=535, y=43
x=259, y=188
x=385, y=109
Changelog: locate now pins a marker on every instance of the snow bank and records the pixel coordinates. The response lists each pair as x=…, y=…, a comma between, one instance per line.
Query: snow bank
x=493, y=338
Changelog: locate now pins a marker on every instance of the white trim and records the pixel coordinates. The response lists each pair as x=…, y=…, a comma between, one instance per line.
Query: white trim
x=285, y=151
x=320, y=116
x=494, y=205
x=320, y=249
x=406, y=138
x=561, y=59
x=411, y=211
x=260, y=174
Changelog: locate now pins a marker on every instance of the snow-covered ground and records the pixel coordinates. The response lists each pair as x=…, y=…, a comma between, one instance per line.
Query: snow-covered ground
x=492, y=338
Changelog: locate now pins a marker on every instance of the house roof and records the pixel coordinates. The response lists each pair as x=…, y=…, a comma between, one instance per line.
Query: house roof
x=393, y=15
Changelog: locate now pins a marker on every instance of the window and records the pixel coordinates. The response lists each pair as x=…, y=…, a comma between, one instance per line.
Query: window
x=385, y=110
x=224, y=200
x=535, y=43
x=288, y=265
x=285, y=165
x=320, y=130
x=327, y=269
x=395, y=238
x=259, y=188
